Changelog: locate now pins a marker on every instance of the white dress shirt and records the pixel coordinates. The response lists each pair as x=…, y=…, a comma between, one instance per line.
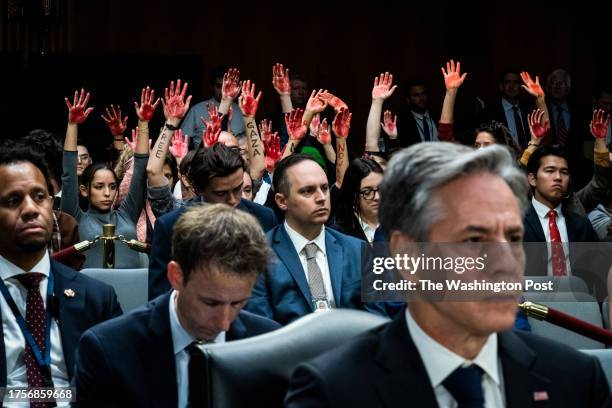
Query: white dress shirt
x=299, y=242
x=509, y=112
x=180, y=341
x=366, y=228
x=440, y=362
x=14, y=342
x=433, y=129
x=542, y=211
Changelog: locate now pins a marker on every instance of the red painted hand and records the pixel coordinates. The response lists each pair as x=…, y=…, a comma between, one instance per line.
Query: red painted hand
x=324, y=136
x=599, y=124
x=280, y=79
x=248, y=102
x=452, y=75
x=210, y=135
x=317, y=103
x=537, y=125
x=389, y=124
x=180, y=144
x=295, y=128
x=383, y=88
x=231, y=84
x=265, y=129
x=78, y=110
x=132, y=143
x=530, y=86
x=272, y=151
x=175, y=105
x=215, y=120
x=114, y=122
x=147, y=106
x=333, y=101
x=314, y=125
x=342, y=123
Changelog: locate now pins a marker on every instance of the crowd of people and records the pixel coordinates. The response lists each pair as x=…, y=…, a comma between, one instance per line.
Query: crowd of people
x=254, y=224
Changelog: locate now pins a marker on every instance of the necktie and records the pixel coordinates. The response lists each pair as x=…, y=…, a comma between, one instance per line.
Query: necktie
x=35, y=320
x=426, y=135
x=315, y=277
x=465, y=385
x=561, y=129
x=197, y=371
x=557, y=253
x=520, y=130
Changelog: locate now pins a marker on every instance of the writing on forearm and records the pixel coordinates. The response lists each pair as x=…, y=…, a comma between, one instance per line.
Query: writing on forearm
x=340, y=157
x=162, y=143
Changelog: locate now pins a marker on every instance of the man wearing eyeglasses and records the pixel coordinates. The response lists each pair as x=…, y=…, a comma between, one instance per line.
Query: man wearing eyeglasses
x=318, y=268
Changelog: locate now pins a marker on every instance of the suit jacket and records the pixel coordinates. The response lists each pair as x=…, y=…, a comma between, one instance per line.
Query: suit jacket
x=161, y=247
x=383, y=368
x=408, y=130
x=93, y=303
x=495, y=111
x=283, y=293
x=130, y=362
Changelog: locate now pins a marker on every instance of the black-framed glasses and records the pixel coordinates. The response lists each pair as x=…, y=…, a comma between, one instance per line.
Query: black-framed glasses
x=368, y=193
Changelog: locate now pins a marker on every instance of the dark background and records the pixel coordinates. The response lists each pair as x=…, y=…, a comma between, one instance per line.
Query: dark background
x=115, y=47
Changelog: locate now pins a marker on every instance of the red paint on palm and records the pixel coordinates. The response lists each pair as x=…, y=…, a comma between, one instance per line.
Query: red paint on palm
x=248, y=102
x=174, y=102
x=452, y=75
x=180, y=144
x=114, y=122
x=537, y=125
x=147, y=107
x=342, y=123
x=210, y=135
x=133, y=141
x=531, y=86
x=280, y=79
x=389, y=124
x=272, y=152
x=599, y=124
x=317, y=102
x=231, y=84
x=383, y=86
x=324, y=135
x=295, y=128
x=265, y=129
x=78, y=110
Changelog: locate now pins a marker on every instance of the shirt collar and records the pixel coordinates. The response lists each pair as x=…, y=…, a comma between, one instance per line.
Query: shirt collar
x=420, y=115
x=9, y=269
x=508, y=105
x=440, y=362
x=299, y=242
x=542, y=210
x=365, y=226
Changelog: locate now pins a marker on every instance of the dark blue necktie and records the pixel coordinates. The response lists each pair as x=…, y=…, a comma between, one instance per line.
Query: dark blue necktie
x=465, y=385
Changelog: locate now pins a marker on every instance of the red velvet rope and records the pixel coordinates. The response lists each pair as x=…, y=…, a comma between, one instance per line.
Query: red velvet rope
x=579, y=326
x=64, y=253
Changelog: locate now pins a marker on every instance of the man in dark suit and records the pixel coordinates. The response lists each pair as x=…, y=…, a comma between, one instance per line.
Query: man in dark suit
x=318, y=269
x=217, y=173
x=152, y=357
x=58, y=316
x=442, y=353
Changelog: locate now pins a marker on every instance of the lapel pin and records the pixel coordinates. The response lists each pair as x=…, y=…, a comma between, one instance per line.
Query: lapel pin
x=69, y=293
x=540, y=396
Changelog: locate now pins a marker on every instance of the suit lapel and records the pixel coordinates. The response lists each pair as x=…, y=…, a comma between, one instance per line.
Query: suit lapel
x=520, y=379
x=70, y=297
x=402, y=371
x=334, y=253
x=283, y=246
x=533, y=222
x=158, y=357
x=570, y=225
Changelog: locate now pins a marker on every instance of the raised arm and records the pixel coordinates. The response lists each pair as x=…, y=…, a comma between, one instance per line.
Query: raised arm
x=248, y=105
x=272, y=150
x=77, y=113
x=383, y=89
x=116, y=125
x=453, y=79
x=322, y=132
x=341, y=126
x=229, y=90
x=282, y=85
x=316, y=104
x=534, y=89
x=538, y=127
x=296, y=130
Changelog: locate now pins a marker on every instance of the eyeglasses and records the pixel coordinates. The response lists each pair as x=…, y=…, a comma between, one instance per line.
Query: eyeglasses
x=368, y=193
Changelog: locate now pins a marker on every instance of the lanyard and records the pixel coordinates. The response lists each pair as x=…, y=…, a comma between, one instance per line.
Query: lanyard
x=43, y=362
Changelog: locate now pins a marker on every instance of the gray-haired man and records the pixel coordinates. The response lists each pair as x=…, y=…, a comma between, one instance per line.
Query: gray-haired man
x=452, y=354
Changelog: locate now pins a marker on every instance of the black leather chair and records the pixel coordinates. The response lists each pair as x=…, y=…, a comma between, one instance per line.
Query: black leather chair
x=255, y=372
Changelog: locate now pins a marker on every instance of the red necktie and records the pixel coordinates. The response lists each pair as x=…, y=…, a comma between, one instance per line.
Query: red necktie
x=561, y=129
x=35, y=320
x=558, y=256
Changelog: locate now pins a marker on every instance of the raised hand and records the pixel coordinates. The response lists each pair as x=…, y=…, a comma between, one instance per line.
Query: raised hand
x=599, y=124
x=280, y=79
x=324, y=135
x=215, y=120
x=231, y=84
x=174, y=102
x=265, y=129
x=295, y=128
x=537, y=125
x=452, y=75
x=248, y=102
x=333, y=101
x=317, y=101
x=314, y=125
x=180, y=144
x=383, y=88
x=531, y=86
x=389, y=124
x=342, y=123
x=133, y=141
x=147, y=106
x=272, y=151
x=78, y=110
x=210, y=135
x=114, y=122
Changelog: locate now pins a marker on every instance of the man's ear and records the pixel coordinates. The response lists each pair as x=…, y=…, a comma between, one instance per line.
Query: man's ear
x=84, y=191
x=175, y=275
x=531, y=179
x=281, y=201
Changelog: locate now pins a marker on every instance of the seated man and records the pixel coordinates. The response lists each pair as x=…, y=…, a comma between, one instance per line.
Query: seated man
x=318, y=268
x=217, y=174
x=152, y=356
x=452, y=354
x=42, y=300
